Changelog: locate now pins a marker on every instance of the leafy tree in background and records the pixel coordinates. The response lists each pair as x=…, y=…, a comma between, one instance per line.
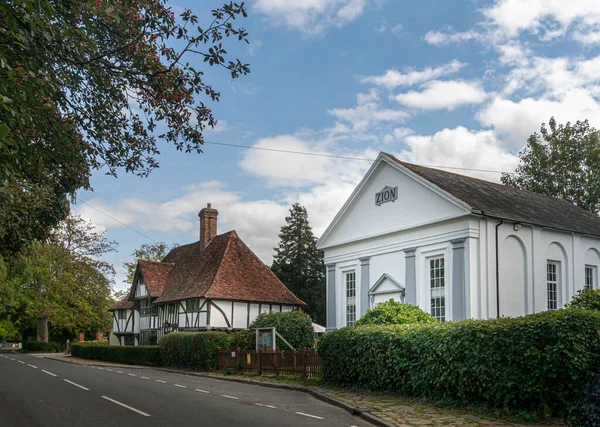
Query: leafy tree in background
x=95, y=84
x=299, y=264
x=62, y=283
x=149, y=252
x=561, y=161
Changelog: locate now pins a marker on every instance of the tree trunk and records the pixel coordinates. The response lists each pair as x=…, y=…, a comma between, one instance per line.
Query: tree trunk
x=42, y=330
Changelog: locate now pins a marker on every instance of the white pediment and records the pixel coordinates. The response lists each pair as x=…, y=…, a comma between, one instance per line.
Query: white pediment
x=390, y=198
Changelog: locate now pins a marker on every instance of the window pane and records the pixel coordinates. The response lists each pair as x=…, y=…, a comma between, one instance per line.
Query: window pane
x=350, y=279
x=552, y=285
x=438, y=290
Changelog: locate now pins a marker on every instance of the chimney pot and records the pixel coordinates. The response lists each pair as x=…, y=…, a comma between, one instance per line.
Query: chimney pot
x=208, y=224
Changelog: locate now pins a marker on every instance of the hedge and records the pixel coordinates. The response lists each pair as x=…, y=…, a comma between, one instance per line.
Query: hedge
x=539, y=362
x=394, y=313
x=50, y=347
x=295, y=326
x=129, y=355
x=193, y=350
x=587, y=298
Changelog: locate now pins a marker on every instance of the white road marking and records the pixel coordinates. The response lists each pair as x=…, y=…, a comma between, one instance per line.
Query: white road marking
x=119, y=372
x=77, y=385
x=131, y=375
x=161, y=381
x=98, y=367
x=126, y=406
x=202, y=391
x=21, y=362
x=145, y=378
x=266, y=406
x=308, y=415
x=230, y=397
x=49, y=373
x=33, y=366
x=109, y=370
x=179, y=385
x=11, y=358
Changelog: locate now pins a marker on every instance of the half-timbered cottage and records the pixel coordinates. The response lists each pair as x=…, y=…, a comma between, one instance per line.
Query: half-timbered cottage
x=214, y=283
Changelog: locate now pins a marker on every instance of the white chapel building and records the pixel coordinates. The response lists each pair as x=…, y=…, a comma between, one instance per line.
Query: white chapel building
x=457, y=247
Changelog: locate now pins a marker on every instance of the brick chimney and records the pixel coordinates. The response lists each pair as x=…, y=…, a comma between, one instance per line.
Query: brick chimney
x=208, y=225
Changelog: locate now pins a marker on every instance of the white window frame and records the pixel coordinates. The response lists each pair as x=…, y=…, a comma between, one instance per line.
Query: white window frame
x=591, y=277
x=553, y=285
x=350, y=301
x=437, y=274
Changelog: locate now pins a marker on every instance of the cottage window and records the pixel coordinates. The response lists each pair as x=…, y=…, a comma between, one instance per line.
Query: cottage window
x=437, y=281
x=552, y=277
x=193, y=305
x=350, y=280
x=590, y=277
x=122, y=314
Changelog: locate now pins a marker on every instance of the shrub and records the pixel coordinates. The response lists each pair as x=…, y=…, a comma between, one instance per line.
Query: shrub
x=588, y=299
x=50, y=347
x=244, y=339
x=395, y=313
x=96, y=343
x=534, y=362
x=152, y=339
x=587, y=412
x=295, y=326
x=129, y=355
x=194, y=350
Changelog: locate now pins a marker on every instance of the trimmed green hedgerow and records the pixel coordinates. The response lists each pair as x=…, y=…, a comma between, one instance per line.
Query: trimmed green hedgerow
x=394, y=313
x=129, y=355
x=588, y=299
x=193, y=350
x=50, y=347
x=539, y=362
x=295, y=326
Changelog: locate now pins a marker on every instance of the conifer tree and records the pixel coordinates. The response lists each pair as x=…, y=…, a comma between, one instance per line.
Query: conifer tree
x=299, y=264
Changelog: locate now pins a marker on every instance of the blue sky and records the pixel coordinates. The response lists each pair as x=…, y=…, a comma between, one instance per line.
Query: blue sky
x=457, y=83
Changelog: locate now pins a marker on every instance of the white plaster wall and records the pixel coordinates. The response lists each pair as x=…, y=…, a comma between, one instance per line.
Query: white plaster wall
x=216, y=318
x=416, y=204
x=240, y=315
x=513, y=277
x=136, y=324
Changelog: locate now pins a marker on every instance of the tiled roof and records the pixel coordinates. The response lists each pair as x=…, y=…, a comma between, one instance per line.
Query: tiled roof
x=225, y=269
x=124, y=304
x=155, y=275
x=500, y=201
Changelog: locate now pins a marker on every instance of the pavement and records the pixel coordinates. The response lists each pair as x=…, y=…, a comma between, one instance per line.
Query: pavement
x=379, y=409
x=38, y=391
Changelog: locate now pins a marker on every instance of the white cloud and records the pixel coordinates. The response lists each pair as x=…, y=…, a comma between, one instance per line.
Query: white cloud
x=311, y=17
x=398, y=134
x=590, y=37
x=254, y=46
x=515, y=121
x=394, y=78
x=438, y=38
x=462, y=148
x=394, y=29
x=438, y=95
x=547, y=18
x=367, y=114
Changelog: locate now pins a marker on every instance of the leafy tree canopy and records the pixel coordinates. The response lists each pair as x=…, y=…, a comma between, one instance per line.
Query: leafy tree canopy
x=588, y=299
x=95, y=84
x=61, y=282
x=299, y=264
x=394, y=313
x=561, y=161
x=148, y=251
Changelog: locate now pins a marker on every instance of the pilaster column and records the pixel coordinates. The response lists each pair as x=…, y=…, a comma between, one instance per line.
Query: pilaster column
x=331, y=299
x=458, y=279
x=364, y=285
x=411, y=277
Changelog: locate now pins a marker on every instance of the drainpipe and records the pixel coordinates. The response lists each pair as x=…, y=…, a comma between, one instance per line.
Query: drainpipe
x=498, y=272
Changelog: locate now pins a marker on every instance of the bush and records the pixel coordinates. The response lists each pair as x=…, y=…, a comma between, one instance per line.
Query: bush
x=588, y=299
x=295, y=326
x=193, y=350
x=244, y=339
x=49, y=347
x=395, y=313
x=96, y=343
x=129, y=355
x=587, y=412
x=537, y=362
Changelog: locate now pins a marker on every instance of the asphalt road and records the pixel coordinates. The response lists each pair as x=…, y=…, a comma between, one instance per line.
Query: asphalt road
x=40, y=392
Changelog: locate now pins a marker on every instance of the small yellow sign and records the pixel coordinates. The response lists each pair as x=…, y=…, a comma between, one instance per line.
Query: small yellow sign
x=248, y=359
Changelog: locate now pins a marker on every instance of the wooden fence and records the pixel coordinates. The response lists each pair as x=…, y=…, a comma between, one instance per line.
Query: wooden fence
x=299, y=363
